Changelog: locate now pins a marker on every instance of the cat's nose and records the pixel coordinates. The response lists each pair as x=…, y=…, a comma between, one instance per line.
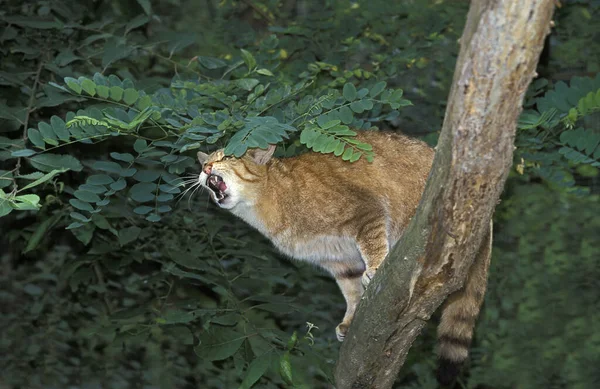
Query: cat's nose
x=207, y=169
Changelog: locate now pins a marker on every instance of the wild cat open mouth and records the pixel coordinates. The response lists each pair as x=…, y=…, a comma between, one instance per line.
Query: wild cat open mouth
x=217, y=185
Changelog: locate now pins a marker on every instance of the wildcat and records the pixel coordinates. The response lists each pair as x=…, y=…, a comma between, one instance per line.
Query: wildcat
x=344, y=217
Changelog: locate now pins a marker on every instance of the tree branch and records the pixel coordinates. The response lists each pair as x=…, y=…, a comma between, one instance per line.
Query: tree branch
x=499, y=51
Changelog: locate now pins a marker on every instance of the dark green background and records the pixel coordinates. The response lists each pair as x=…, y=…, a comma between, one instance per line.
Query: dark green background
x=154, y=305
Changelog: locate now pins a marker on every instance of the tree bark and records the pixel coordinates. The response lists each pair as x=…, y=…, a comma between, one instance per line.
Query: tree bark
x=500, y=47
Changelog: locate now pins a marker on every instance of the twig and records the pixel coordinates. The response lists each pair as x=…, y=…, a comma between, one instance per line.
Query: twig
x=26, y=122
x=259, y=11
x=102, y=283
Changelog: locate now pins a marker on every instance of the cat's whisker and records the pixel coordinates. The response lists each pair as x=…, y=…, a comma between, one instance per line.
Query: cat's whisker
x=183, y=183
x=192, y=195
x=186, y=191
x=190, y=185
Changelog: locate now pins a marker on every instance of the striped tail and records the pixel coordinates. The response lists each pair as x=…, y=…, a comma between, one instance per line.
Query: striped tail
x=459, y=315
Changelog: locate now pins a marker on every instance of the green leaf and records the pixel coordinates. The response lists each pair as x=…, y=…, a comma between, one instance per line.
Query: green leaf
x=129, y=234
x=147, y=175
x=128, y=172
x=257, y=369
x=81, y=205
x=41, y=231
x=99, y=179
x=357, y=107
x=43, y=179
x=89, y=86
x=355, y=157
x=142, y=192
x=103, y=91
x=331, y=146
x=247, y=84
x=218, y=343
x=364, y=146
x=33, y=290
x=46, y=131
x=5, y=180
x=211, y=63
x=308, y=136
x=83, y=233
x=125, y=157
x=153, y=218
x=98, y=189
x=48, y=162
x=377, y=88
x=118, y=185
x=362, y=93
x=164, y=208
x=164, y=197
x=140, y=146
x=146, y=6
x=5, y=207
x=248, y=59
x=177, y=316
x=265, y=72
x=73, y=84
x=346, y=115
x=26, y=202
x=144, y=102
x=349, y=91
x=320, y=142
x=347, y=154
x=130, y=96
x=80, y=217
x=22, y=153
x=116, y=93
x=329, y=124
x=366, y=104
x=60, y=128
x=143, y=210
x=36, y=138
x=285, y=368
x=136, y=22
x=108, y=166
x=87, y=196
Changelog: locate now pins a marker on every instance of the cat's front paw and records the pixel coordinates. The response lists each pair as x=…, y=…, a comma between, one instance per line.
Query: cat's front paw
x=340, y=331
x=368, y=276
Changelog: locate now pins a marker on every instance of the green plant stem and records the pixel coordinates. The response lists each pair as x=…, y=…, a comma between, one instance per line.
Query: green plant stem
x=102, y=283
x=26, y=122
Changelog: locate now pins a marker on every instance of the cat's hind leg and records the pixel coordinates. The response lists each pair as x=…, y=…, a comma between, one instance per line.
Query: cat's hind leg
x=348, y=278
x=352, y=289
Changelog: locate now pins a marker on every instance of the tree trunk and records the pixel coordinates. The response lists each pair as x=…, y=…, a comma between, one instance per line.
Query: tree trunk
x=499, y=51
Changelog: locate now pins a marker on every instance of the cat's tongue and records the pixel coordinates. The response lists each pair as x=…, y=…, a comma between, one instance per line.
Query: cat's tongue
x=222, y=186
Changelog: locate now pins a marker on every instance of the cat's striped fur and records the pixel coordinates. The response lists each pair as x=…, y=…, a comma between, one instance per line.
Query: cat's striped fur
x=343, y=216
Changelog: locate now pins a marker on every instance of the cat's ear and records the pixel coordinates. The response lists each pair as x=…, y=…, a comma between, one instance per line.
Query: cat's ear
x=202, y=157
x=261, y=156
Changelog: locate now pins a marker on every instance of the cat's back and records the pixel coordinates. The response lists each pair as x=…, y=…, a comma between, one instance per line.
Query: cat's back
x=399, y=161
x=325, y=186
x=321, y=195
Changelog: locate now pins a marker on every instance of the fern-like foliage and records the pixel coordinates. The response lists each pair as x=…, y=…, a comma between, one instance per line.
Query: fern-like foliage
x=245, y=108
x=547, y=131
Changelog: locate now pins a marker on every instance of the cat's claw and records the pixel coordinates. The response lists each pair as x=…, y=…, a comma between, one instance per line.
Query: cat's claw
x=340, y=331
x=368, y=276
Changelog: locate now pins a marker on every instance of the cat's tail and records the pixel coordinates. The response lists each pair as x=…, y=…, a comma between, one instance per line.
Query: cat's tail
x=459, y=315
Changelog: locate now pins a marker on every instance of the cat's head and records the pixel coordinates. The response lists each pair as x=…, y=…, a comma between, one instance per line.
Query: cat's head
x=231, y=180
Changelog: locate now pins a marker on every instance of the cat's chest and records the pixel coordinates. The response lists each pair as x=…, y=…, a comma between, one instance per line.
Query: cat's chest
x=317, y=248
x=295, y=243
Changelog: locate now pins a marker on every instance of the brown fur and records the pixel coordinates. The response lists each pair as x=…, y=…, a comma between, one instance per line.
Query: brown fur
x=459, y=315
x=343, y=216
